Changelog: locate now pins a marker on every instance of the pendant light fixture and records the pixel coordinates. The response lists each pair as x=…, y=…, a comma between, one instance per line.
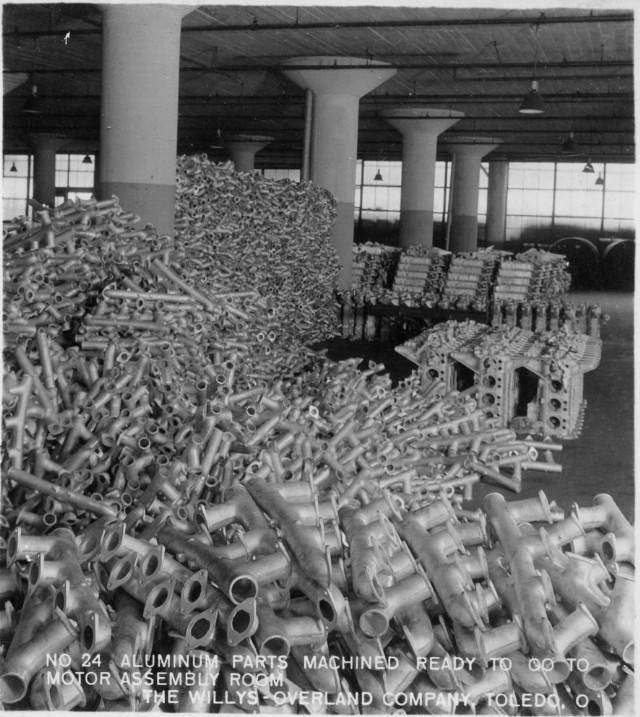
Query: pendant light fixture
x=588, y=167
x=569, y=146
x=13, y=167
x=600, y=179
x=87, y=159
x=33, y=104
x=382, y=152
x=217, y=142
x=533, y=104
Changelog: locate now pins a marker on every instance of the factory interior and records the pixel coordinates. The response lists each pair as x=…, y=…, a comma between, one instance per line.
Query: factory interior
x=318, y=358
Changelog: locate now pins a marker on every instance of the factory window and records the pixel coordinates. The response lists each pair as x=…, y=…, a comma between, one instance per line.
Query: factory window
x=16, y=185
x=578, y=198
x=379, y=199
x=529, y=197
x=483, y=186
x=547, y=194
x=441, y=192
x=619, y=193
x=292, y=174
x=75, y=178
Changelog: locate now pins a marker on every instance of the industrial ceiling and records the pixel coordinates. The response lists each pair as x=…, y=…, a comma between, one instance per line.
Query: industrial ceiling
x=478, y=61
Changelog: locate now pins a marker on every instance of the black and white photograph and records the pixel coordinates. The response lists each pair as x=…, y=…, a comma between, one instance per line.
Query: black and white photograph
x=318, y=358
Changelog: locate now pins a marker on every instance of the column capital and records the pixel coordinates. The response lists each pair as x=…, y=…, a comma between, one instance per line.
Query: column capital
x=421, y=119
x=248, y=141
x=323, y=74
x=45, y=140
x=243, y=149
x=337, y=83
x=473, y=146
x=177, y=11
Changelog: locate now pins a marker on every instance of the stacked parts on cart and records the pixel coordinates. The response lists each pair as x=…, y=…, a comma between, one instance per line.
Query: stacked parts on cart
x=528, y=290
x=421, y=272
x=550, y=315
x=470, y=282
x=528, y=381
x=373, y=265
x=470, y=279
x=531, y=276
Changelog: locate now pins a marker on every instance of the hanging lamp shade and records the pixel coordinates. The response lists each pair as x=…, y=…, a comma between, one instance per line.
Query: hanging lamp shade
x=600, y=179
x=217, y=142
x=569, y=146
x=87, y=159
x=33, y=105
x=378, y=177
x=532, y=104
x=13, y=167
x=588, y=167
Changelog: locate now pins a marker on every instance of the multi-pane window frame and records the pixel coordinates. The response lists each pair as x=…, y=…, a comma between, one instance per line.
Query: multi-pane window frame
x=70, y=167
x=14, y=206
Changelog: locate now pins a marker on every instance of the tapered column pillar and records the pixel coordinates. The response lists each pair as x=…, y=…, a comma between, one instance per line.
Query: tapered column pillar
x=420, y=127
x=243, y=149
x=337, y=84
x=44, y=166
x=139, y=115
x=468, y=153
x=496, y=227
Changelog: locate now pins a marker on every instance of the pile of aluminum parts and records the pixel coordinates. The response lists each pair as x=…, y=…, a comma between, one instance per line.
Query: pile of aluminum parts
x=351, y=303
x=549, y=315
x=271, y=236
x=421, y=274
x=532, y=276
x=358, y=319
x=233, y=340
x=470, y=280
x=531, y=382
x=86, y=276
x=359, y=322
x=55, y=265
x=292, y=596
x=363, y=315
x=174, y=538
x=373, y=266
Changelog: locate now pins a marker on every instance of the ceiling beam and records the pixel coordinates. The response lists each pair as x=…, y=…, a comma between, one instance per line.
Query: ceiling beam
x=549, y=94
x=538, y=20
x=432, y=98
x=440, y=66
x=283, y=124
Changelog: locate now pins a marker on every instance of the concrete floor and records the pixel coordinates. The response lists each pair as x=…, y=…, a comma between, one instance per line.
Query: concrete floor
x=601, y=459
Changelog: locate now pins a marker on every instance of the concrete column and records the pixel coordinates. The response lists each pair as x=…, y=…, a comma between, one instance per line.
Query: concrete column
x=337, y=84
x=96, y=172
x=468, y=153
x=139, y=116
x=497, y=202
x=44, y=166
x=420, y=127
x=243, y=149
